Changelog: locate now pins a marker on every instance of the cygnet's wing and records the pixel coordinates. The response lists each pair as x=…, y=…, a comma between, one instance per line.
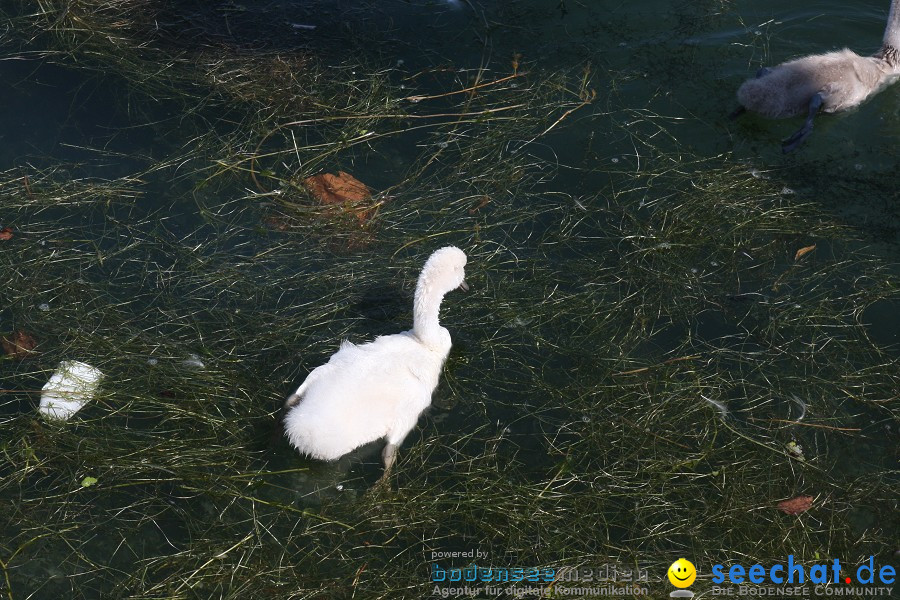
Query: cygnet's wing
x=862, y=77
x=362, y=394
x=390, y=369
x=402, y=358
x=843, y=78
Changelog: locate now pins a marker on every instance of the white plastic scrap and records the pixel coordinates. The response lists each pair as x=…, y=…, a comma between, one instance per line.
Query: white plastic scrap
x=193, y=361
x=71, y=387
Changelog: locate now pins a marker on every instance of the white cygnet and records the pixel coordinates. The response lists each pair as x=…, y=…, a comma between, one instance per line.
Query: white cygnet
x=378, y=390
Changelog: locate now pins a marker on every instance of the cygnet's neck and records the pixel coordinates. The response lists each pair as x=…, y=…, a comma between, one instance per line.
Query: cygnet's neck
x=891, y=43
x=426, y=312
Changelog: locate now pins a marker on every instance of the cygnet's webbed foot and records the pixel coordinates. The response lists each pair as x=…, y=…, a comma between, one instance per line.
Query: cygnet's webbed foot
x=736, y=113
x=383, y=485
x=762, y=72
x=790, y=144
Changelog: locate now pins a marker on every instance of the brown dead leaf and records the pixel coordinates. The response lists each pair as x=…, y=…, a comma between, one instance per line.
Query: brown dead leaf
x=6, y=234
x=795, y=506
x=343, y=190
x=485, y=200
x=18, y=344
x=803, y=251
x=337, y=189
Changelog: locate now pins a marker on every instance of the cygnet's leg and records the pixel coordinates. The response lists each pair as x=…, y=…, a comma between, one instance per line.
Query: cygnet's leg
x=801, y=134
x=389, y=455
x=736, y=113
x=395, y=438
x=762, y=72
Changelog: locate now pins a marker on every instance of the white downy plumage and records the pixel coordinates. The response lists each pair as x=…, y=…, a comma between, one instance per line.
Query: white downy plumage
x=378, y=390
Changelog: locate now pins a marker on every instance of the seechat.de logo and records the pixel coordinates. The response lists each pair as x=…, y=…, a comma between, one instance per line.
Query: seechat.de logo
x=795, y=573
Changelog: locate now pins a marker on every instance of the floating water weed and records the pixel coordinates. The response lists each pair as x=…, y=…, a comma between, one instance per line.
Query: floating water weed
x=568, y=430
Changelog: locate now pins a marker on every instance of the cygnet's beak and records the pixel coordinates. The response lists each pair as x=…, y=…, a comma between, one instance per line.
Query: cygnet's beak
x=464, y=286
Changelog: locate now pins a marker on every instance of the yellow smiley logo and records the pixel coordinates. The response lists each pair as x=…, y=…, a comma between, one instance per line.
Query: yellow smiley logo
x=682, y=573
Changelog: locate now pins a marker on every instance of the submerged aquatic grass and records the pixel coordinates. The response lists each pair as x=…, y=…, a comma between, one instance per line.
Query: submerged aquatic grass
x=625, y=372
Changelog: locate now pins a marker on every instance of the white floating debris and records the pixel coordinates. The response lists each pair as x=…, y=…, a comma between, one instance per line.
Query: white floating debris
x=193, y=361
x=44, y=307
x=723, y=410
x=71, y=387
x=786, y=191
x=517, y=322
x=152, y=362
x=303, y=26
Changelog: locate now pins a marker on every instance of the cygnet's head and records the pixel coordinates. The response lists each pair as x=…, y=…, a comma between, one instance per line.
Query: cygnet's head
x=445, y=270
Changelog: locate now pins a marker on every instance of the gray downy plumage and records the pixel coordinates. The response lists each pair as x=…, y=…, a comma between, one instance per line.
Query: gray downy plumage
x=829, y=82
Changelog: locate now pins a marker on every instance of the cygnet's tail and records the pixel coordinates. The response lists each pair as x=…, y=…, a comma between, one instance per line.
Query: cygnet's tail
x=294, y=398
x=278, y=430
x=292, y=401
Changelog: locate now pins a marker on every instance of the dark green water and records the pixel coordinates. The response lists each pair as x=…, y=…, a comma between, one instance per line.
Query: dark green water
x=621, y=246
